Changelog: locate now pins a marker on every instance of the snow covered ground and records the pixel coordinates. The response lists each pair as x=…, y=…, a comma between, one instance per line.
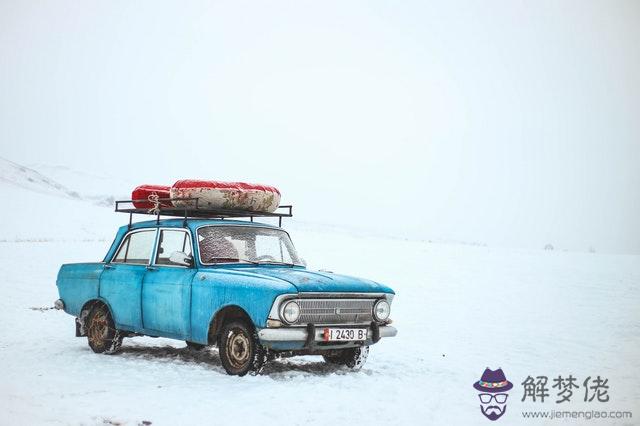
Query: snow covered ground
x=458, y=310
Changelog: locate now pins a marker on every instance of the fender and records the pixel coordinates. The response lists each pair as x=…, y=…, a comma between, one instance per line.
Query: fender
x=214, y=290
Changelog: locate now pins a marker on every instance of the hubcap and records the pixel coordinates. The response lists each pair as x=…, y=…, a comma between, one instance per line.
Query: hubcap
x=238, y=348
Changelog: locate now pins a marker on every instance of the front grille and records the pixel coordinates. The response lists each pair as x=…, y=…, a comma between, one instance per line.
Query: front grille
x=335, y=311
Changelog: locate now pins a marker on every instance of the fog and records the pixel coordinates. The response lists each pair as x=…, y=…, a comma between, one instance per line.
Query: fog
x=504, y=123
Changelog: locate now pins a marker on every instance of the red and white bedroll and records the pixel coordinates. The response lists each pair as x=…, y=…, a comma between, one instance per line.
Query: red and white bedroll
x=150, y=194
x=210, y=195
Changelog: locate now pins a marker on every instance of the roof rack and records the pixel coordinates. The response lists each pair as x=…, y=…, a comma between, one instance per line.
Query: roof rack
x=193, y=211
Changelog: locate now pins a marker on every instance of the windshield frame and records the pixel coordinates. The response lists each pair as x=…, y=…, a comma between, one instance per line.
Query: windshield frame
x=244, y=262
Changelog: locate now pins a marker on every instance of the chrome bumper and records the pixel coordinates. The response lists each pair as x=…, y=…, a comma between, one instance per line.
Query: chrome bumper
x=300, y=334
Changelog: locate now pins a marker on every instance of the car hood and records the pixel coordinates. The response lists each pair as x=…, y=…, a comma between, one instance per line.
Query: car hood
x=316, y=281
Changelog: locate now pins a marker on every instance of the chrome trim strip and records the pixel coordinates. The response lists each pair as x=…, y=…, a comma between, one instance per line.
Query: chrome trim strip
x=331, y=295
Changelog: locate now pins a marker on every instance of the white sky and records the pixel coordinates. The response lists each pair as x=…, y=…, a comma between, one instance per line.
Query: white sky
x=509, y=123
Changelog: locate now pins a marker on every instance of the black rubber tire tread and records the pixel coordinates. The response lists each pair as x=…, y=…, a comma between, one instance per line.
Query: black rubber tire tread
x=116, y=344
x=257, y=356
x=353, y=358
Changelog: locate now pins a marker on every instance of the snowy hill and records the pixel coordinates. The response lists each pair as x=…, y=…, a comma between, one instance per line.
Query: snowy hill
x=458, y=310
x=26, y=178
x=64, y=182
x=43, y=209
x=100, y=188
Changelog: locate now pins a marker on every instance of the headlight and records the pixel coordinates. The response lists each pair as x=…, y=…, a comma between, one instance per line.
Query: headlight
x=291, y=312
x=381, y=310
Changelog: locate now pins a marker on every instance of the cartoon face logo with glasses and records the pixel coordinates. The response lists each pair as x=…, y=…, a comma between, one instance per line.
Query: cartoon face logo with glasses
x=493, y=387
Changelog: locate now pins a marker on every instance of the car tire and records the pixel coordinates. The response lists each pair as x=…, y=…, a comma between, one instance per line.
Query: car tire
x=240, y=349
x=354, y=358
x=102, y=335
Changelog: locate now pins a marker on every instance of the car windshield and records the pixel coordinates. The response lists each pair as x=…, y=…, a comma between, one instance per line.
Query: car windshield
x=248, y=244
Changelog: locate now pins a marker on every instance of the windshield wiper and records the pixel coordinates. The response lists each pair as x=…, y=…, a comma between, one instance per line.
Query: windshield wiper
x=275, y=262
x=218, y=259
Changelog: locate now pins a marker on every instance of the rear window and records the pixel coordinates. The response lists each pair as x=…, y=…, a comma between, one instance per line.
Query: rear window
x=136, y=248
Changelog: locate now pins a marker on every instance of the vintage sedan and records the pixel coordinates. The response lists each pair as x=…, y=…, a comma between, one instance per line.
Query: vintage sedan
x=235, y=284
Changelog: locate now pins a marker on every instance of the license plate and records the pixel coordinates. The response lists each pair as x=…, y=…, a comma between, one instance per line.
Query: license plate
x=344, y=334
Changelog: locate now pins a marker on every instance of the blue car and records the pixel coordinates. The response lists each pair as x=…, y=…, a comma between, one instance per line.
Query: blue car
x=236, y=284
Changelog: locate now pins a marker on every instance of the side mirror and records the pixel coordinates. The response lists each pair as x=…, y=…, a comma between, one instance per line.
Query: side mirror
x=180, y=258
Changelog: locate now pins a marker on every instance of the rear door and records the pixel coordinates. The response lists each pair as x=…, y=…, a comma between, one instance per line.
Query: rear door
x=166, y=290
x=121, y=281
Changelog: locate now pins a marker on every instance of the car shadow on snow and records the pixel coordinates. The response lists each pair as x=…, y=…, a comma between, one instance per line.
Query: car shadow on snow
x=284, y=369
x=208, y=358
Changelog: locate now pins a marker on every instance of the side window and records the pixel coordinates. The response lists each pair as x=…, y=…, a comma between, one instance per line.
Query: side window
x=136, y=248
x=172, y=241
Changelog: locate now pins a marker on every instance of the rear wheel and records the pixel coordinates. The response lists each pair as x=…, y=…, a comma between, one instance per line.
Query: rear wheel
x=102, y=335
x=240, y=349
x=353, y=358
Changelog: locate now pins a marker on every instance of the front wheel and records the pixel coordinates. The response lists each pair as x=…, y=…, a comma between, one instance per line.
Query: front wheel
x=353, y=358
x=102, y=335
x=240, y=349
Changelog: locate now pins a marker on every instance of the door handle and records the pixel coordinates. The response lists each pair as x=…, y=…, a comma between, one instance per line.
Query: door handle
x=151, y=268
x=107, y=266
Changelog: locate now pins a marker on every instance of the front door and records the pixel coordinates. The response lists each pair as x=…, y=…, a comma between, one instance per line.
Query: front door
x=166, y=289
x=121, y=281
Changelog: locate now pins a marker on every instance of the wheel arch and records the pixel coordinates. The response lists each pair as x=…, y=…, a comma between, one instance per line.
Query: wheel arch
x=227, y=313
x=84, y=311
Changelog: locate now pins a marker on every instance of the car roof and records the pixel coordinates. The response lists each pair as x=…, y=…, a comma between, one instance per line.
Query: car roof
x=195, y=223
x=192, y=224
